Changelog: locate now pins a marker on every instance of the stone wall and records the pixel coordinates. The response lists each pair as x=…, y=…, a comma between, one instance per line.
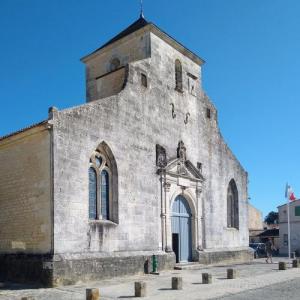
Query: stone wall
x=132, y=123
x=25, y=192
x=56, y=270
x=225, y=256
x=132, y=48
x=255, y=218
x=111, y=83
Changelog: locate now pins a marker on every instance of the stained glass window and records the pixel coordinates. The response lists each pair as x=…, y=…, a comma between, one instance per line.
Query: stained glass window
x=105, y=194
x=102, y=170
x=92, y=194
x=98, y=161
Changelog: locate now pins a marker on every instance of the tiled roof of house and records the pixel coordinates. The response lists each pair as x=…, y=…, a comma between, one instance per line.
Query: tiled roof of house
x=23, y=129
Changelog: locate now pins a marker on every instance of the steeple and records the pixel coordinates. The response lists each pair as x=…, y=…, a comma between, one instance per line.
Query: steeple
x=142, y=23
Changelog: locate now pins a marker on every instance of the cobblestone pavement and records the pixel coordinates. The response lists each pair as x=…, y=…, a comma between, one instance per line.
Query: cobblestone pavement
x=287, y=290
x=252, y=276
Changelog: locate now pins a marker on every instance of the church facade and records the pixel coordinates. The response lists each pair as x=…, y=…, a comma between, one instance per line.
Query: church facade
x=141, y=169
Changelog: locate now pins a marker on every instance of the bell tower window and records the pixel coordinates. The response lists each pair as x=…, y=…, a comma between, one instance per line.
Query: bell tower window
x=178, y=76
x=114, y=64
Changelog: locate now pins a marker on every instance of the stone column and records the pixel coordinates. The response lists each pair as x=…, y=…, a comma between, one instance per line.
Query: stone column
x=199, y=220
x=168, y=228
x=162, y=212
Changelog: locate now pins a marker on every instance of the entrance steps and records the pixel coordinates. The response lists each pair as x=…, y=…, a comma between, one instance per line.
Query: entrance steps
x=189, y=266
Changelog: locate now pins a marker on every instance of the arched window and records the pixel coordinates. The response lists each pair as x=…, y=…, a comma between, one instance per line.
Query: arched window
x=105, y=194
x=178, y=75
x=103, y=185
x=92, y=193
x=232, y=205
x=114, y=64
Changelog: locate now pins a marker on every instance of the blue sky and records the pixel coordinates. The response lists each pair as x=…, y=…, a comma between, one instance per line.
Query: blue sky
x=252, y=70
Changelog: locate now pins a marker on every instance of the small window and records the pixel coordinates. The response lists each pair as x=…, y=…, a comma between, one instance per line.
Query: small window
x=192, y=83
x=114, y=64
x=208, y=113
x=178, y=75
x=297, y=211
x=144, y=80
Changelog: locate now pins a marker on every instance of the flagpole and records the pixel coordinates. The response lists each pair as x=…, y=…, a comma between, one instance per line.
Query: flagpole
x=289, y=226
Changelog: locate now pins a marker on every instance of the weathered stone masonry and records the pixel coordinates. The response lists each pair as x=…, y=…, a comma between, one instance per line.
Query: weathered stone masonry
x=131, y=122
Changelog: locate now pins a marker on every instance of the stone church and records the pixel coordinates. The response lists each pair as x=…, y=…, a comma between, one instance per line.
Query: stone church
x=140, y=169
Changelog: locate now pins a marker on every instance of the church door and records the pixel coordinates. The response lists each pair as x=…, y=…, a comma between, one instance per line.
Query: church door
x=181, y=230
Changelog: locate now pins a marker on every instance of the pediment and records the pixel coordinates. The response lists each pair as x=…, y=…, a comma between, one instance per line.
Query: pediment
x=178, y=168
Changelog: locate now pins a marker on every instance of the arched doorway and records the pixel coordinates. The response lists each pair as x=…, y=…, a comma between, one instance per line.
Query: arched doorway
x=181, y=229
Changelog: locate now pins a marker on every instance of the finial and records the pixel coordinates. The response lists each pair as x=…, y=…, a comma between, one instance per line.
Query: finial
x=142, y=10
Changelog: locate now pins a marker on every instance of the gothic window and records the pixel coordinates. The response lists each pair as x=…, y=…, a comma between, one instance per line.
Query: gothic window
x=232, y=205
x=114, y=64
x=103, y=185
x=105, y=194
x=178, y=75
x=92, y=193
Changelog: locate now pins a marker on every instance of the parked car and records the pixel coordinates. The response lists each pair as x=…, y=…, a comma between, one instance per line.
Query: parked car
x=259, y=249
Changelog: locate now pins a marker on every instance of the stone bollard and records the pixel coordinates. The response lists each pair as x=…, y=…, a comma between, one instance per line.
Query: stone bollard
x=140, y=289
x=232, y=274
x=176, y=283
x=92, y=294
x=295, y=263
x=282, y=265
x=206, y=278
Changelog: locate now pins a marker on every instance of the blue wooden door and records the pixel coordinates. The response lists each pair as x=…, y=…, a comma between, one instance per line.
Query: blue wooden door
x=181, y=229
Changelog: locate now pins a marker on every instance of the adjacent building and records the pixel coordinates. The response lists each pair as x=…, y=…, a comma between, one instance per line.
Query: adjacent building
x=294, y=208
x=255, y=224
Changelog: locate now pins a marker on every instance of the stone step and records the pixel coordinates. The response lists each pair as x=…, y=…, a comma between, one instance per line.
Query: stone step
x=189, y=266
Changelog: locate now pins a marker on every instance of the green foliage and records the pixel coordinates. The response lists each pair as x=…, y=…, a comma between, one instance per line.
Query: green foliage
x=272, y=218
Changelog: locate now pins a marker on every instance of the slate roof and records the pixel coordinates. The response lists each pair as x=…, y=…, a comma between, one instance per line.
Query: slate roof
x=135, y=26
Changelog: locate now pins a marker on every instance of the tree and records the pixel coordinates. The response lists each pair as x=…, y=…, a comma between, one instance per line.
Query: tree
x=272, y=218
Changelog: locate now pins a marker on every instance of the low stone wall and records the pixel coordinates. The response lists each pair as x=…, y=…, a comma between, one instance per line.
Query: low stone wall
x=47, y=270
x=26, y=268
x=226, y=256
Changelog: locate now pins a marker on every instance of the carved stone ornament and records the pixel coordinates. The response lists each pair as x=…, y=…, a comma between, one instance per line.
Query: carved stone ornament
x=181, y=151
x=173, y=110
x=161, y=156
x=167, y=186
x=187, y=115
x=198, y=192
